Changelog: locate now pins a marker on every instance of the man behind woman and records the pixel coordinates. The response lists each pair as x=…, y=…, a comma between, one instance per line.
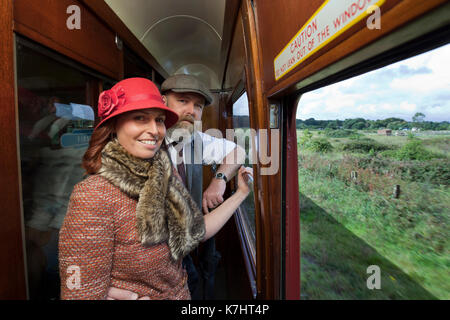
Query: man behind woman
x=131, y=222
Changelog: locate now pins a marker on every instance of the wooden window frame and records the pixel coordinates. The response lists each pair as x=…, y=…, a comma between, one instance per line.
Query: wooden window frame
x=248, y=246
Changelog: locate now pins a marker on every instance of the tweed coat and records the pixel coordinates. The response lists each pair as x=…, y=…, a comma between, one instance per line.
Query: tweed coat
x=99, y=239
x=115, y=237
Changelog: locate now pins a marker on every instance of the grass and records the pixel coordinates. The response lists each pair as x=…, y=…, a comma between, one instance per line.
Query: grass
x=438, y=145
x=347, y=226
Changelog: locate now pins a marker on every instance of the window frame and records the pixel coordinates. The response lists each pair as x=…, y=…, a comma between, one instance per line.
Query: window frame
x=422, y=45
x=248, y=244
x=96, y=85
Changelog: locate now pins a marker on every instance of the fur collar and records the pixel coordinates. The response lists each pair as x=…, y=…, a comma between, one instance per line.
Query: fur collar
x=165, y=211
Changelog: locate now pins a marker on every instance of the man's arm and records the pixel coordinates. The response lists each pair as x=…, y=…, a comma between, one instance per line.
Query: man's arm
x=213, y=195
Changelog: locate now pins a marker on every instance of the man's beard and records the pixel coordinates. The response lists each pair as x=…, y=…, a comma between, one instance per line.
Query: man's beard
x=181, y=131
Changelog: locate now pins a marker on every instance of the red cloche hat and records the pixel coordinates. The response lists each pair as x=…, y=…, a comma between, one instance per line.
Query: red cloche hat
x=129, y=95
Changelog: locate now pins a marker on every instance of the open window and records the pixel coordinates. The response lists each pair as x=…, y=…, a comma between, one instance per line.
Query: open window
x=245, y=218
x=373, y=183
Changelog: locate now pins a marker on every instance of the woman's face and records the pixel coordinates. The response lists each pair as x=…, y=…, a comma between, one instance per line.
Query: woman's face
x=141, y=132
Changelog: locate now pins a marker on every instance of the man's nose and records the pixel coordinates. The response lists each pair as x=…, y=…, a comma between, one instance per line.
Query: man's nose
x=190, y=108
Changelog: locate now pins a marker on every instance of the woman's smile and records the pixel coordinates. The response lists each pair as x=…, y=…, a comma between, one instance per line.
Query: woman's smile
x=148, y=142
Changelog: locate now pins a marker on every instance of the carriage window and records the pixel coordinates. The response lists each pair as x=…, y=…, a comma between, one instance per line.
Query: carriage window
x=134, y=66
x=55, y=123
x=242, y=132
x=374, y=159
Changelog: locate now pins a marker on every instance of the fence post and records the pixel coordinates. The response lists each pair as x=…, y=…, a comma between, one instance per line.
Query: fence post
x=354, y=176
x=396, y=193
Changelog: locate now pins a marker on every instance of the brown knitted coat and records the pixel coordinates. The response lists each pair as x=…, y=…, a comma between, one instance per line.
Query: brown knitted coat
x=129, y=227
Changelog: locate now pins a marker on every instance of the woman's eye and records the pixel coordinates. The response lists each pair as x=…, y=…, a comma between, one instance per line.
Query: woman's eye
x=139, y=118
x=161, y=120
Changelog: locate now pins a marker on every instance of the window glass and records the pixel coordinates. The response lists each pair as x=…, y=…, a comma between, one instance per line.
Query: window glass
x=243, y=133
x=134, y=66
x=56, y=121
x=374, y=183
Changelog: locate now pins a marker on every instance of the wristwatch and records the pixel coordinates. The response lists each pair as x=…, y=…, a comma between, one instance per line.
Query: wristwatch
x=220, y=175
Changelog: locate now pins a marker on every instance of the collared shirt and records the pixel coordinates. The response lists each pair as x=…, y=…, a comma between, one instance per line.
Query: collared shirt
x=214, y=149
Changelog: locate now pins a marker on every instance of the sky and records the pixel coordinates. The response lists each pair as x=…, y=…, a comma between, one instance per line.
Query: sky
x=418, y=84
x=240, y=107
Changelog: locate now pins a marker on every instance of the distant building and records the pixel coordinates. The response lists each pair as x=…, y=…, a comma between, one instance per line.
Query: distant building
x=385, y=132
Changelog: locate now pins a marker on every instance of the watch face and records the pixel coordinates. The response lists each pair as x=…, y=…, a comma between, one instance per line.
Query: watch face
x=221, y=176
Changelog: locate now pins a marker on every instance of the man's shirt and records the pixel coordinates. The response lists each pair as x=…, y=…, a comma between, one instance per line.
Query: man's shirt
x=214, y=149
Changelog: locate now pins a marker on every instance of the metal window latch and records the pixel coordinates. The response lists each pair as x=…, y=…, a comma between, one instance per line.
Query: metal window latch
x=119, y=42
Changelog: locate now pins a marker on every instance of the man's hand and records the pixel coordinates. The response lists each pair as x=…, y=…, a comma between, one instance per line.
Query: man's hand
x=213, y=195
x=121, y=294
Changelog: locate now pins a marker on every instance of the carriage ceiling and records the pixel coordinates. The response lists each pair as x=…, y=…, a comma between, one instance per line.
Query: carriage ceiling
x=184, y=36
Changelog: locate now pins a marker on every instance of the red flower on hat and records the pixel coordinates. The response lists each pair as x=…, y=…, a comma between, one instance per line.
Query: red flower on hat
x=109, y=100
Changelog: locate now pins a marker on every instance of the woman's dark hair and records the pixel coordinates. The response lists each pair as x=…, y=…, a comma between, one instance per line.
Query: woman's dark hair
x=92, y=159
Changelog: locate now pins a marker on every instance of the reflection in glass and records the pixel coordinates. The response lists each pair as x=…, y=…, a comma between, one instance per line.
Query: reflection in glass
x=242, y=132
x=55, y=124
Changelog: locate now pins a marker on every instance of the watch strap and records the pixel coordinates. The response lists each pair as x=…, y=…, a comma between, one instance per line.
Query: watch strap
x=220, y=175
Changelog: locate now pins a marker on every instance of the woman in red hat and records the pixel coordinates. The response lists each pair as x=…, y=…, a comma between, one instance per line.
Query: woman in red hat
x=130, y=223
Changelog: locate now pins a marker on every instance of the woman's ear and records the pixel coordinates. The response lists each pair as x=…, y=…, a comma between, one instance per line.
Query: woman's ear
x=164, y=99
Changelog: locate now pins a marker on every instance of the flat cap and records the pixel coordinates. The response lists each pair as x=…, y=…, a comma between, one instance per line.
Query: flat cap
x=187, y=83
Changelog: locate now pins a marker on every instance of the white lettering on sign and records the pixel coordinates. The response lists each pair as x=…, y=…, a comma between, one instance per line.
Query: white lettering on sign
x=328, y=22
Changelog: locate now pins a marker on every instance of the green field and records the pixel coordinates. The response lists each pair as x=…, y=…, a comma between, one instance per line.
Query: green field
x=350, y=218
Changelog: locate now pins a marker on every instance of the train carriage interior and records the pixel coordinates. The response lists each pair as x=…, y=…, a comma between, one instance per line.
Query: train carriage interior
x=296, y=236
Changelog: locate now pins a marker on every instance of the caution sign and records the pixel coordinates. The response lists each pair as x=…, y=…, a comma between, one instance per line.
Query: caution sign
x=327, y=23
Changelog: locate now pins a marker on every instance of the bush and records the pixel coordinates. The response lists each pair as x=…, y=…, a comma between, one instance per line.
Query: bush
x=436, y=171
x=413, y=150
x=358, y=136
x=339, y=133
x=365, y=145
x=321, y=145
x=306, y=137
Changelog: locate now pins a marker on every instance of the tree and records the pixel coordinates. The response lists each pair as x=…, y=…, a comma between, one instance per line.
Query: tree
x=333, y=124
x=310, y=122
x=358, y=125
x=418, y=117
x=443, y=126
x=349, y=123
x=396, y=125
